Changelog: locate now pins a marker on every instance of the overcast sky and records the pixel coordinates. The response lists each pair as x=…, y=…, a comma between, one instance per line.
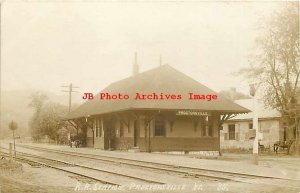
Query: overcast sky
x=92, y=44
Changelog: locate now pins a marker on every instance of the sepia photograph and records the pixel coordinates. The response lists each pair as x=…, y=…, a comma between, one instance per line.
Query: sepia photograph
x=149, y=96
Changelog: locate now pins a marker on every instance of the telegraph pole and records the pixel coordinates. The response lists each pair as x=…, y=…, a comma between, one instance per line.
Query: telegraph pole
x=70, y=91
x=253, y=93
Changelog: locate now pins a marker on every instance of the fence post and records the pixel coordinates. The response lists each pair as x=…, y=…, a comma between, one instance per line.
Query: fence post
x=10, y=151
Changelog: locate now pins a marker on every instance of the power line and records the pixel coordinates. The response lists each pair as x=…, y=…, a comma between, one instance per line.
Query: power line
x=70, y=91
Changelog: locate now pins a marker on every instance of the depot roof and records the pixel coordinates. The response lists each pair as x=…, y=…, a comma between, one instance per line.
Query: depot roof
x=164, y=79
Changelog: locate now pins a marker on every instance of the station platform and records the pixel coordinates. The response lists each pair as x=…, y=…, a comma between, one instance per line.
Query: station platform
x=186, y=161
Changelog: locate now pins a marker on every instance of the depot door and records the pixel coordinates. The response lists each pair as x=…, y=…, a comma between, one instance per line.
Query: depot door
x=109, y=136
x=136, y=134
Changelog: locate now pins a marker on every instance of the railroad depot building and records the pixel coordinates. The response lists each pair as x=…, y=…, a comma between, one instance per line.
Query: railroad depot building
x=238, y=132
x=166, y=119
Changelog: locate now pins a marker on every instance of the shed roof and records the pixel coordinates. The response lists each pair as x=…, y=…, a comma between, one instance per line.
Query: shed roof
x=262, y=111
x=163, y=79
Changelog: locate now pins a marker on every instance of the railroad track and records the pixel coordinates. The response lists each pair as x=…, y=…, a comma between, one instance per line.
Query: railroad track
x=167, y=168
x=51, y=163
x=32, y=162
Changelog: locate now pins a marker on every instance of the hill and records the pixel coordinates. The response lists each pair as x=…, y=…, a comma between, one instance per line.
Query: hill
x=14, y=106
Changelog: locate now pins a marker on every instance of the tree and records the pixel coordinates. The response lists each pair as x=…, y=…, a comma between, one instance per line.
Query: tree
x=37, y=102
x=46, y=119
x=233, y=94
x=49, y=122
x=275, y=64
x=63, y=134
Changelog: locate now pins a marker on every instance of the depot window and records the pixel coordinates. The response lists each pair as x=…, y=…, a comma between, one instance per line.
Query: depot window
x=250, y=125
x=231, y=131
x=159, y=128
x=97, y=127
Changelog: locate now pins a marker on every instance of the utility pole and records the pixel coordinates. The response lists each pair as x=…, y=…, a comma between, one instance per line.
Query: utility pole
x=70, y=93
x=253, y=93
